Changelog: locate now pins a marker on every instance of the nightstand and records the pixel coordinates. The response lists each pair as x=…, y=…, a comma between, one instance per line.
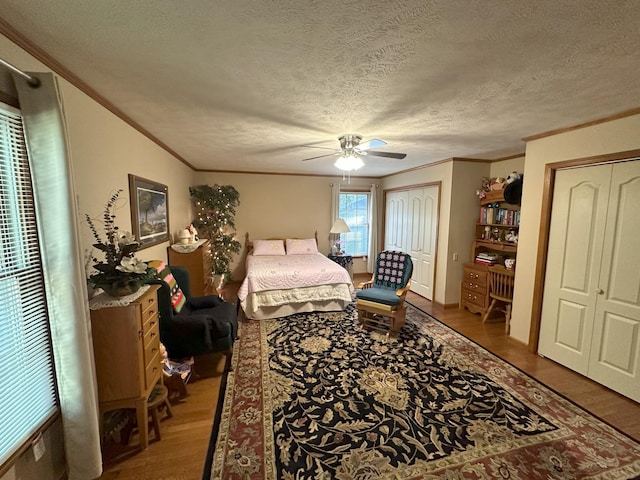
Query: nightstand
x=345, y=261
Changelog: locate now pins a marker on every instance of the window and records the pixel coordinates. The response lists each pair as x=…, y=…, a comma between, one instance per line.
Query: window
x=27, y=382
x=354, y=210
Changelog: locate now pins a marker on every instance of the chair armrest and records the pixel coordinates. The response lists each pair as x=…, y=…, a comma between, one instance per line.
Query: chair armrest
x=367, y=284
x=207, y=301
x=402, y=292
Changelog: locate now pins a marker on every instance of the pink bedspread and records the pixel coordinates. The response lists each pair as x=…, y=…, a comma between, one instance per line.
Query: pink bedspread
x=283, y=272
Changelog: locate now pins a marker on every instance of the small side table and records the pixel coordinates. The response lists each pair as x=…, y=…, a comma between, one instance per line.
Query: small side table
x=345, y=261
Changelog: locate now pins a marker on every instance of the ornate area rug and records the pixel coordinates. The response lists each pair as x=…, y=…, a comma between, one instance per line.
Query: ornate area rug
x=312, y=396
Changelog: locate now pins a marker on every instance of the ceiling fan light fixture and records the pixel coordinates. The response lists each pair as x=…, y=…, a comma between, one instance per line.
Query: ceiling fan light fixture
x=349, y=162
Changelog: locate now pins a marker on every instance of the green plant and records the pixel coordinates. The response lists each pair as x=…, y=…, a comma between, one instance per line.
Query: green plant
x=215, y=209
x=120, y=272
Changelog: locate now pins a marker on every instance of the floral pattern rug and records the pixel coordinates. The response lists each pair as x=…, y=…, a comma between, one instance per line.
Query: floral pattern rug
x=312, y=396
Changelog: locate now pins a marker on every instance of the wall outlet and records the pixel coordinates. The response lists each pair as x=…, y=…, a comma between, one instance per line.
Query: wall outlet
x=455, y=257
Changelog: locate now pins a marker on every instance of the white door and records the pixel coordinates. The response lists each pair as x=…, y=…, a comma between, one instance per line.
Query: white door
x=411, y=226
x=415, y=233
x=427, y=254
x=591, y=309
x=615, y=348
x=395, y=221
x=423, y=228
x=573, y=263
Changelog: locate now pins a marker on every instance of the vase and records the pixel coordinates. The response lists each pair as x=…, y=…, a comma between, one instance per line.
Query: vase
x=120, y=289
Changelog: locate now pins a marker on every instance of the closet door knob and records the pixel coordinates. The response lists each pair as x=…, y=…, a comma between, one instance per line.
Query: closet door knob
x=599, y=291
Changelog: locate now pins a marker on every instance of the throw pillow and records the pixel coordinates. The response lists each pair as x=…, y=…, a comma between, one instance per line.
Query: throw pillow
x=302, y=246
x=164, y=273
x=268, y=247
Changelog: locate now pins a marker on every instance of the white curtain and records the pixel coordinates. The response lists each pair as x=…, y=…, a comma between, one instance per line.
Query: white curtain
x=373, y=228
x=64, y=273
x=335, y=208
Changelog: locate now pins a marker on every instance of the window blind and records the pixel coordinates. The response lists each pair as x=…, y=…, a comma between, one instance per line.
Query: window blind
x=354, y=209
x=27, y=381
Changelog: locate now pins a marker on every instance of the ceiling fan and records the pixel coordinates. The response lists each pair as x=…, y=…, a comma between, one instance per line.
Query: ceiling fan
x=351, y=150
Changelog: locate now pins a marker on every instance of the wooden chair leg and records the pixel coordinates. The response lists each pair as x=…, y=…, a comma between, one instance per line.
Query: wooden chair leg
x=507, y=318
x=488, y=312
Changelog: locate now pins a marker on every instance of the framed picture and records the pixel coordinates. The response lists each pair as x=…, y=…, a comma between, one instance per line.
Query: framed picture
x=149, y=211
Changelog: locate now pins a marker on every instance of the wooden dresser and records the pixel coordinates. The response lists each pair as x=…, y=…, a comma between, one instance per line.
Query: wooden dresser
x=474, y=293
x=198, y=262
x=126, y=344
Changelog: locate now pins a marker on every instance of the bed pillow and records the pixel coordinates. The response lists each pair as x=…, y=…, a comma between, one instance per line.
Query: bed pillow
x=301, y=246
x=268, y=247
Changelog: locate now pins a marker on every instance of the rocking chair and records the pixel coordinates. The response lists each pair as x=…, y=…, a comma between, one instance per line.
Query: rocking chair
x=380, y=302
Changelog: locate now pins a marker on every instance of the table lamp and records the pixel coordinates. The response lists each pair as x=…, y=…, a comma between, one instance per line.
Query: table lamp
x=339, y=226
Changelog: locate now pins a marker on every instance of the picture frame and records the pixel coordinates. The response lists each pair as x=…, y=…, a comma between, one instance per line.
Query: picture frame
x=149, y=203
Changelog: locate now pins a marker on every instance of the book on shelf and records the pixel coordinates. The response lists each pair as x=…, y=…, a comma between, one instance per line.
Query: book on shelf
x=482, y=261
x=486, y=258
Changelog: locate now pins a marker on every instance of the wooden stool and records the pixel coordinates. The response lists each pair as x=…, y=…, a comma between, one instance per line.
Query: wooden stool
x=158, y=398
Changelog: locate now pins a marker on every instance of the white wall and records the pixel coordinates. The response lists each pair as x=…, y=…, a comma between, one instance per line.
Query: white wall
x=614, y=136
x=505, y=167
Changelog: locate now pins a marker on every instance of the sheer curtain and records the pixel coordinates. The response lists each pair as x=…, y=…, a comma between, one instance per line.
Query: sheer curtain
x=64, y=273
x=335, y=207
x=373, y=228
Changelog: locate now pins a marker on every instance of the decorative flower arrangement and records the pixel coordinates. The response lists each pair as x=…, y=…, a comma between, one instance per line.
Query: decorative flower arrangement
x=120, y=273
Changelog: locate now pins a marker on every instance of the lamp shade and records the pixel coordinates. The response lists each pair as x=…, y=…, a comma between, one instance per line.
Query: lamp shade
x=340, y=226
x=349, y=162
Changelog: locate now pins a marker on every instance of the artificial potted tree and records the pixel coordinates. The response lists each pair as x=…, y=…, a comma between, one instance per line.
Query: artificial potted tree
x=214, y=209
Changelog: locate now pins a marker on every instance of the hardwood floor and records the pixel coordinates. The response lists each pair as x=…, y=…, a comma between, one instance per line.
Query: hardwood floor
x=180, y=455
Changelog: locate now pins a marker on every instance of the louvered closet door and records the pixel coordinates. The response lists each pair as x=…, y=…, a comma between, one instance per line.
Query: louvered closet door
x=591, y=309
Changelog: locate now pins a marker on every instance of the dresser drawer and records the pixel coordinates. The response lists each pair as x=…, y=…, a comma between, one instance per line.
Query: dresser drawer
x=150, y=324
x=475, y=273
x=474, y=287
x=151, y=344
x=153, y=371
x=149, y=306
x=474, y=297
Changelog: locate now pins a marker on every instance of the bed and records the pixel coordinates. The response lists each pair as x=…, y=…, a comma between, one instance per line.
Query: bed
x=287, y=276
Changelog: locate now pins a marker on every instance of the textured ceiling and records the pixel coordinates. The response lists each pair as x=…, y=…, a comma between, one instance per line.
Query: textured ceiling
x=249, y=85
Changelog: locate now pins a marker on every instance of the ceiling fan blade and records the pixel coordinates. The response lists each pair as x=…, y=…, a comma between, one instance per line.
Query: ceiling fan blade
x=320, y=156
x=399, y=156
x=373, y=143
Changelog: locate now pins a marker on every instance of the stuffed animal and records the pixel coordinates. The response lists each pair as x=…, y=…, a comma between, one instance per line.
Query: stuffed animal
x=497, y=183
x=511, y=236
x=193, y=233
x=513, y=176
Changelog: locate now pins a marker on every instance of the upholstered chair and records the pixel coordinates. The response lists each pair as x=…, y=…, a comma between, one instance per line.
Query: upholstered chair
x=201, y=325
